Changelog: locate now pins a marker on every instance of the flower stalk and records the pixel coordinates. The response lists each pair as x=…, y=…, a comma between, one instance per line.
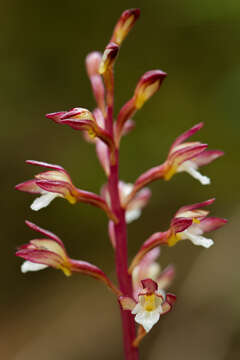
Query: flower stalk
x=141, y=291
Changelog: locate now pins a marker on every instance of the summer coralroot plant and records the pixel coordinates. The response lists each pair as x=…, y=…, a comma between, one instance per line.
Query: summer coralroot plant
x=141, y=286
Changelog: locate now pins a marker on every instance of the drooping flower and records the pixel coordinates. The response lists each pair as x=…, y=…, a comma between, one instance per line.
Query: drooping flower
x=49, y=184
x=50, y=252
x=200, y=224
x=57, y=183
x=188, y=156
x=190, y=222
x=182, y=157
x=42, y=253
x=151, y=304
x=82, y=119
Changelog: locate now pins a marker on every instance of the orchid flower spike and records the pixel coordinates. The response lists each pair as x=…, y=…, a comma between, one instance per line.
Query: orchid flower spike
x=57, y=183
x=151, y=304
x=191, y=222
x=49, y=184
x=189, y=156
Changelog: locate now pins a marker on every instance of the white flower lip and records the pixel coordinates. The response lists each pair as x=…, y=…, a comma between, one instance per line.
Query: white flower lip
x=146, y=318
x=44, y=200
x=31, y=266
x=191, y=168
x=193, y=233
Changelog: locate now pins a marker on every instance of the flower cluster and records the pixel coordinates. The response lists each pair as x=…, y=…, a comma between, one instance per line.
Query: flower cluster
x=141, y=290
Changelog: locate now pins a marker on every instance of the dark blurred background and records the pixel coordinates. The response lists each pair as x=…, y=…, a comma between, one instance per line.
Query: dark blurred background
x=43, y=49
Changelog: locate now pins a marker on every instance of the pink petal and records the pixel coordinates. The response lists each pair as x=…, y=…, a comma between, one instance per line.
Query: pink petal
x=56, y=116
x=180, y=139
x=180, y=224
x=59, y=187
x=54, y=175
x=207, y=157
x=72, y=113
x=99, y=118
x=128, y=126
x=78, y=124
x=150, y=257
x=46, y=165
x=186, y=153
x=29, y=186
x=111, y=233
x=195, y=206
x=102, y=154
x=140, y=200
x=211, y=223
x=41, y=257
x=46, y=233
x=166, y=277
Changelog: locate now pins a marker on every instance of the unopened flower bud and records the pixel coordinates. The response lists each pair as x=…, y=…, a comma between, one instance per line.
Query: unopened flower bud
x=147, y=86
x=93, y=61
x=124, y=25
x=108, y=58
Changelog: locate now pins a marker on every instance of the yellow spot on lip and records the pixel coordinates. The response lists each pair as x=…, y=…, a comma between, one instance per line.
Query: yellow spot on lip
x=149, y=304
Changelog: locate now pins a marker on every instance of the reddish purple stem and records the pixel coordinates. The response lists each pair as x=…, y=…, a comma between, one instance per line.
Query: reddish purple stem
x=124, y=279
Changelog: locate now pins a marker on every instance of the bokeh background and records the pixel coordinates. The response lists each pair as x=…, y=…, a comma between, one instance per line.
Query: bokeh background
x=43, y=48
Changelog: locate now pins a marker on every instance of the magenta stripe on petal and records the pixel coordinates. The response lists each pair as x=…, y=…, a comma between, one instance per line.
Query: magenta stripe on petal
x=180, y=224
x=207, y=157
x=46, y=165
x=29, y=186
x=186, y=208
x=212, y=223
x=44, y=232
x=180, y=139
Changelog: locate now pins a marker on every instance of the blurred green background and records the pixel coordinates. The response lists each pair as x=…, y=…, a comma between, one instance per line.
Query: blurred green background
x=43, y=49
